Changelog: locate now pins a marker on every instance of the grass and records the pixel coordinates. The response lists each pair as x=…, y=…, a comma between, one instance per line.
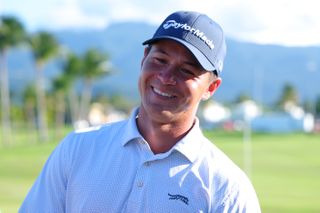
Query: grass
x=20, y=163
x=18, y=169
x=285, y=169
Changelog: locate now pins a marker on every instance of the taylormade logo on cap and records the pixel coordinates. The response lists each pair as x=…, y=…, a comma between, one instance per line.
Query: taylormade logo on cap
x=196, y=32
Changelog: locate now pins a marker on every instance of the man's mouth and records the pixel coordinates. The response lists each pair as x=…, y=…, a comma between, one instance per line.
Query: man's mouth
x=162, y=93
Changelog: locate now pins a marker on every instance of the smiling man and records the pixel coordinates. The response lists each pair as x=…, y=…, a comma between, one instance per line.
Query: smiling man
x=158, y=160
x=172, y=84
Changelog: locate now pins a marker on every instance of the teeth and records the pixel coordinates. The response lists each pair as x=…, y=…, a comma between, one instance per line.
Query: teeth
x=162, y=93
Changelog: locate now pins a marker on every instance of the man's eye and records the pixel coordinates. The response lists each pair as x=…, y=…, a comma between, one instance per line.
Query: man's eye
x=187, y=71
x=160, y=60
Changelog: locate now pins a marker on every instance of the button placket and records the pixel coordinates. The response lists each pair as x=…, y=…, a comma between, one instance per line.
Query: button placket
x=142, y=174
x=138, y=190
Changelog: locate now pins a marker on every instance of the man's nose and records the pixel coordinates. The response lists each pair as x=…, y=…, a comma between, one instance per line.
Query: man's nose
x=167, y=76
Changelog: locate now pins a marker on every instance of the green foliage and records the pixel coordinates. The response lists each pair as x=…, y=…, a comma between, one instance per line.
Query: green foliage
x=289, y=94
x=121, y=103
x=16, y=113
x=61, y=83
x=95, y=64
x=29, y=94
x=242, y=97
x=44, y=46
x=11, y=32
x=71, y=66
x=317, y=107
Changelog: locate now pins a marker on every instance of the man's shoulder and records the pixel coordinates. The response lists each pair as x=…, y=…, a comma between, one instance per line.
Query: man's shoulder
x=100, y=128
x=213, y=153
x=229, y=183
x=94, y=134
x=220, y=166
x=96, y=131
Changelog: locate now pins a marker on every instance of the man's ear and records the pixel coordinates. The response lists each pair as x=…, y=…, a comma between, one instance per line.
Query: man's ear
x=212, y=88
x=145, y=53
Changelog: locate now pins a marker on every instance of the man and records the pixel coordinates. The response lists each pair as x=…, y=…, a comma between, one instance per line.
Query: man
x=157, y=160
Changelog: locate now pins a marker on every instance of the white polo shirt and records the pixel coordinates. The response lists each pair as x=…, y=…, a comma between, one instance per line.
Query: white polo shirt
x=112, y=169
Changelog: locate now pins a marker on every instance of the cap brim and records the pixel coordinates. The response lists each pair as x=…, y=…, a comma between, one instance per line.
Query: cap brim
x=203, y=61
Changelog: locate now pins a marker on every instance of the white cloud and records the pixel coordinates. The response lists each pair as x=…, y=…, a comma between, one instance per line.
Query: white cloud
x=288, y=22
x=285, y=22
x=69, y=14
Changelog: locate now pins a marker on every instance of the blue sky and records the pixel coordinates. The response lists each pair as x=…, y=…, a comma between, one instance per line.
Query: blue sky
x=285, y=22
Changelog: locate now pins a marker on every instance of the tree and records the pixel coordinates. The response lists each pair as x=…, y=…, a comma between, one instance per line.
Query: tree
x=289, y=94
x=44, y=47
x=95, y=64
x=242, y=97
x=60, y=86
x=11, y=33
x=71, y=71
x=29, y=100
x=317, y=106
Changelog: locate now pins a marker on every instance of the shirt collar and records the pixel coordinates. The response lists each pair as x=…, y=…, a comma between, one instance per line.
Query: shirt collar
x=189, y=145
x=131, y=130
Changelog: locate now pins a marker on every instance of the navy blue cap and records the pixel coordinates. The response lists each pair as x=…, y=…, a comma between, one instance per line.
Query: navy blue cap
x=197, y=32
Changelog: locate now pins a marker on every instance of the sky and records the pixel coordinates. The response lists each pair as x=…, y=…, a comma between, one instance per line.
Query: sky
x=282, y=22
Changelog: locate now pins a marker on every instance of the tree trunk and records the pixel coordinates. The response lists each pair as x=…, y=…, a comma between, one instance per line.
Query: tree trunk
x=41, y=105
x=74, y=106
x=60, y=114
x=85, y=100
x=5, y=101
x=29, y=108
x=30, y=115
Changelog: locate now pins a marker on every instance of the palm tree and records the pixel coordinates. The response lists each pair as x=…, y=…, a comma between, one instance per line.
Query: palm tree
x=60, y=85
x=91, y=65
x=29, y=107
x=44, y=47
x=29, y=100
x=95, y=64
x=72, y=69
x=11, y=33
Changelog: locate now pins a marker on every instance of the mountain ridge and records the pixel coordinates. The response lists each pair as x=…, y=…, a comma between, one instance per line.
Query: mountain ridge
x=259, y=71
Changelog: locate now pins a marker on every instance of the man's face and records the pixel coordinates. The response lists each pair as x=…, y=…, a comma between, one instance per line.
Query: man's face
x=172, y=83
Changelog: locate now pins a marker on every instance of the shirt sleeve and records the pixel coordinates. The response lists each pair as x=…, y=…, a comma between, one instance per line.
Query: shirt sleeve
x=240, y=197
x=48, y=192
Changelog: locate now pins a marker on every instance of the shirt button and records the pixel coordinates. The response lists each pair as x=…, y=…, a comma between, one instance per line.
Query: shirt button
x=142, y=142
x=140, y=184
x=147, y=163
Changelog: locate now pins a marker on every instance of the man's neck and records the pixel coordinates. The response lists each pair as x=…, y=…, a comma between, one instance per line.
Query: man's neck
x=162, y=137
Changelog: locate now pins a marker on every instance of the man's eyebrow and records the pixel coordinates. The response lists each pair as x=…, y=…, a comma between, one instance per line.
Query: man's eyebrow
x=193, y=63
x=159, y=50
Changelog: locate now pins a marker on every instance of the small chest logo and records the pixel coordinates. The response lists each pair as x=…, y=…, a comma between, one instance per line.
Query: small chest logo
x=178, y=197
